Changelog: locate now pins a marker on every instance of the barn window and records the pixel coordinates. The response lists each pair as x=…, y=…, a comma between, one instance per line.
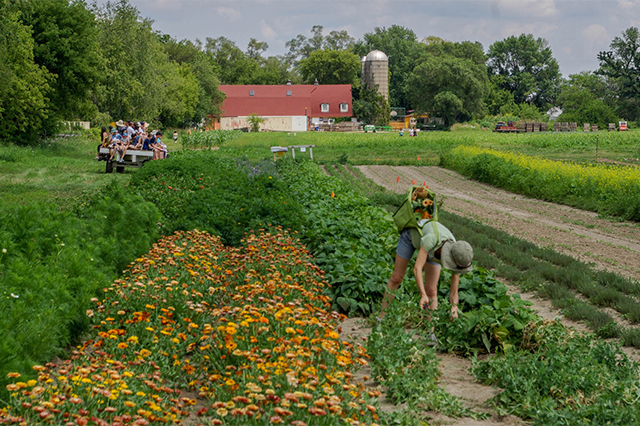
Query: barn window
x=324, y=107
x=252, y=93
x=288, y=92
x=344, y=107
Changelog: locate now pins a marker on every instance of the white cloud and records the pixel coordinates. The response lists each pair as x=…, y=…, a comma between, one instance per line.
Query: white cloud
x=228, y=13
x=266, y=31
x=629, y=4
x=536, y=29
x=596, y=37
x=527, y=8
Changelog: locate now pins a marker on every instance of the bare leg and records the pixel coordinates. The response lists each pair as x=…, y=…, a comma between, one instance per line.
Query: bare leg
x=431, y=277
x=399, y=269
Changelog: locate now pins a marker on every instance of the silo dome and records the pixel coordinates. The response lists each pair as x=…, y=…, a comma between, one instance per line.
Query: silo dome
x=376, y=55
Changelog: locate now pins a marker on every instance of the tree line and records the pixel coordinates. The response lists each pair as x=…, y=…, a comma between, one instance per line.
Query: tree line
x=68, y=60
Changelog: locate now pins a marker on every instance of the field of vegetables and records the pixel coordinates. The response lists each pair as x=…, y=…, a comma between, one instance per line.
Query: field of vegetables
x=232, y=316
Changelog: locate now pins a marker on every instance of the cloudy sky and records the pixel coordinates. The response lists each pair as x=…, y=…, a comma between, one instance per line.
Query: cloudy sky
x=575, y=29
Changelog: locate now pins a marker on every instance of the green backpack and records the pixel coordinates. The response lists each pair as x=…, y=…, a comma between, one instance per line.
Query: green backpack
x=405, y=217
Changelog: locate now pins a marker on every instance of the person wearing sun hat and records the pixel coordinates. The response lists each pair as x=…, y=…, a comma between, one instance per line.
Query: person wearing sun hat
x=438, y=249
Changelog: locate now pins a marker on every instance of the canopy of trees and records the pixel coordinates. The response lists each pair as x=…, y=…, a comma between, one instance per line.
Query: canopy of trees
x=525, y=67
x=67, y=60
x=621, y=65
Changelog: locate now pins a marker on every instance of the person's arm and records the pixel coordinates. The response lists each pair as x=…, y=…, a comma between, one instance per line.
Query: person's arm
x=418, y=272
x=453, y=295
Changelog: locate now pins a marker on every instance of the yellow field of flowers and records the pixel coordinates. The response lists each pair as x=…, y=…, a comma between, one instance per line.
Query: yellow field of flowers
x=609, y=189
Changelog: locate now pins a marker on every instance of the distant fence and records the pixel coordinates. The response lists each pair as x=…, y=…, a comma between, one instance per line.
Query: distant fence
x=86, y=125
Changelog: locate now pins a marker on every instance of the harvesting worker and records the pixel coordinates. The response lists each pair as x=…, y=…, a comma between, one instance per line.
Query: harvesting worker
x=437, y=249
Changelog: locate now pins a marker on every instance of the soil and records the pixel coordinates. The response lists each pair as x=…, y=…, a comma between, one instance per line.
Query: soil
x=603, y=243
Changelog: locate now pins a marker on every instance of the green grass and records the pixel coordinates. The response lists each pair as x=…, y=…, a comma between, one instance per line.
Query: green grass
x=55, y=172
x=389, y=148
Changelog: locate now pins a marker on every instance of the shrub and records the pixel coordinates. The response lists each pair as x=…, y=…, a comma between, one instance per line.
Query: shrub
x=199, y=190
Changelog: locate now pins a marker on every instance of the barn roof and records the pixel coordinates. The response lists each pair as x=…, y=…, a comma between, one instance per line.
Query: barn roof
x=285, y=100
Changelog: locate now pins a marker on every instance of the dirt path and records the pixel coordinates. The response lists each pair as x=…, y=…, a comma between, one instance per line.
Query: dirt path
x=608, y=245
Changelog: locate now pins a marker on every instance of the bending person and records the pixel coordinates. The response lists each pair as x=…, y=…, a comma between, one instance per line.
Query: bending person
x=438, y=248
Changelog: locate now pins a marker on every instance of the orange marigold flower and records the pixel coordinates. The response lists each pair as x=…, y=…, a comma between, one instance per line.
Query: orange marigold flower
x=276, y=419
x=282, y=411
x=13, y=375
x=317, y=411
x=122, y=345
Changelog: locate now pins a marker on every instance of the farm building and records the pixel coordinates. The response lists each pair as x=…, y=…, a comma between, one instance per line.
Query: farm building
x=287, y=107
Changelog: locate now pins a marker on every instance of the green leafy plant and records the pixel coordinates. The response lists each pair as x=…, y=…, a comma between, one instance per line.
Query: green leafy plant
x=255, y=121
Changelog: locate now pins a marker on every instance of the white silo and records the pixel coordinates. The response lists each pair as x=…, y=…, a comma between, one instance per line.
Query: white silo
x=375, y=72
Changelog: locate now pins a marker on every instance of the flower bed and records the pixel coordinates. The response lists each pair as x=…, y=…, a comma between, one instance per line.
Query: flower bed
x=243, y=334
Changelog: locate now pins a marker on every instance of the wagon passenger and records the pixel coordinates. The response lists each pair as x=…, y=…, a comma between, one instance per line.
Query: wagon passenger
x=160, y=149
x=114, y=144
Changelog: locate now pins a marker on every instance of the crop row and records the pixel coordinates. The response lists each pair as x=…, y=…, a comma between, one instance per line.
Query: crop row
x=557, y=277
x=242, y=335
x=611, y=190
x=208, y=139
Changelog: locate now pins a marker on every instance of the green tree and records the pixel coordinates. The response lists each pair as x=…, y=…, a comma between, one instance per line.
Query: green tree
x=179, y=105
x=25, y=85
x=371, y=107
x=139, y=78
x=338, y=40
x=450, y=87
x=402, y=47
x=256, y=48
x=66, y=45
x=209, y=98
x=525, y=66
x=301, y=47
x=234, y=65
x=586, y=98
x=331, y=67
x=622, y=65
x=274, y=70
x=497, y=98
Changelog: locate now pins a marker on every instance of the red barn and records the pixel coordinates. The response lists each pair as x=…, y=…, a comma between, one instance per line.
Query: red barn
x=284, y=107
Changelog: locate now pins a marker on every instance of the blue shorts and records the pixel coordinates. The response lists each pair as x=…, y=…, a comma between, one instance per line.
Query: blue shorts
x=405, y=248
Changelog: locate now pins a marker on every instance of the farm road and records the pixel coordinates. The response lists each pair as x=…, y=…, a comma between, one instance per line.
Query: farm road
x=612, y=246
